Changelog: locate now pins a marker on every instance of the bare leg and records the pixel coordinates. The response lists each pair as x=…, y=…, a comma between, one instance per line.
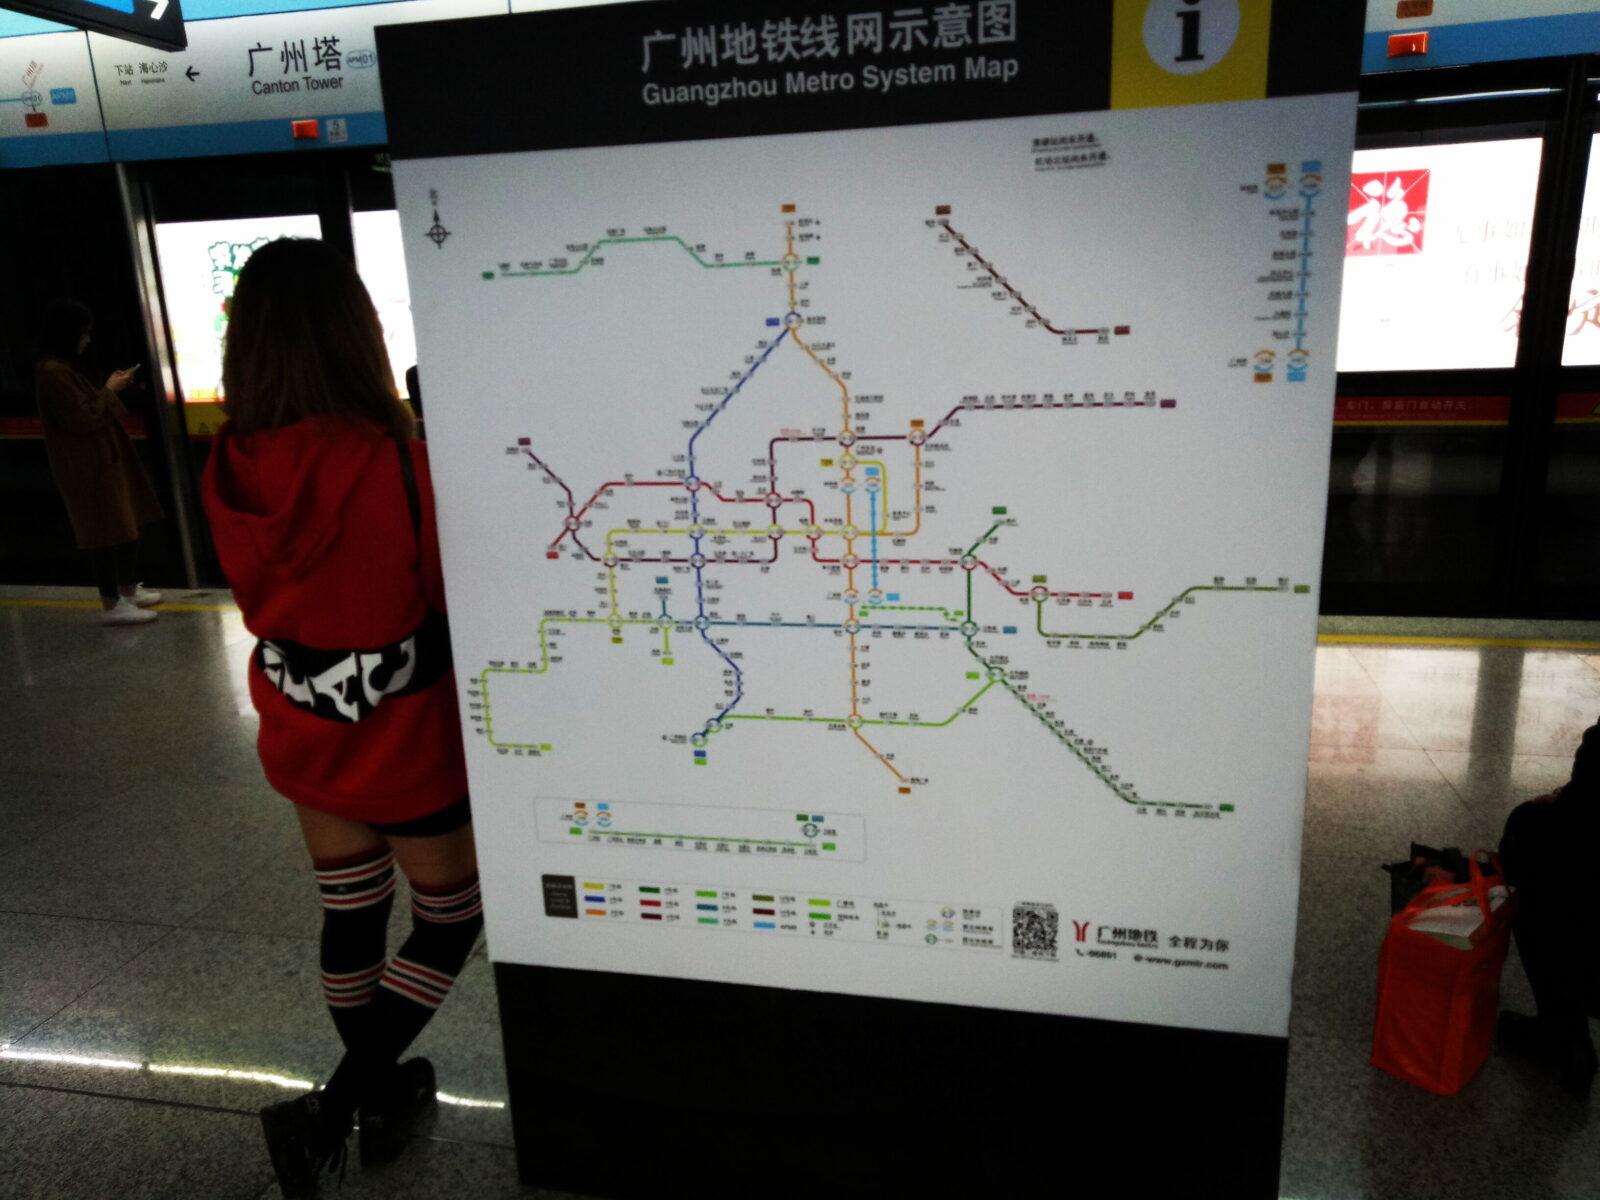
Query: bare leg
x=328, y=836
x=439, y=860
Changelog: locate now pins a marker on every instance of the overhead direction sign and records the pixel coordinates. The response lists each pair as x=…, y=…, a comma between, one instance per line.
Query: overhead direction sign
x=157, y=23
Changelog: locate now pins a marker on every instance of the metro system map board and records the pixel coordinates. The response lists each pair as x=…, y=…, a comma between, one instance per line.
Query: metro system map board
x=881, y=461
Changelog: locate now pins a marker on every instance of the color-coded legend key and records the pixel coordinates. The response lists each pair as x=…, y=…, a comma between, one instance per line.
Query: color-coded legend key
x=907, y=923
x=741, y=831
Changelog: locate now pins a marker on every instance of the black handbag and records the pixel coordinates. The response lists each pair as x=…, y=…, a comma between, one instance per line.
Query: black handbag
x=1408, y=878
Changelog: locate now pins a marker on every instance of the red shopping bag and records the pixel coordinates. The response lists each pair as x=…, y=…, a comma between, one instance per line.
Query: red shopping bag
x=1437, y=1001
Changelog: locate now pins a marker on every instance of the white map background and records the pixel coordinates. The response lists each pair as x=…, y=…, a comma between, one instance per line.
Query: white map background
x=603, y=369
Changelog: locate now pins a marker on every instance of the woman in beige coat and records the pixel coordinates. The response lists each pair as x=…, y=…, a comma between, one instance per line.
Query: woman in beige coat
x=107, y=492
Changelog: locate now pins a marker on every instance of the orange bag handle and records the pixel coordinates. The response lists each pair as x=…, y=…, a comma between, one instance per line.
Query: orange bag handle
x=1441, y=895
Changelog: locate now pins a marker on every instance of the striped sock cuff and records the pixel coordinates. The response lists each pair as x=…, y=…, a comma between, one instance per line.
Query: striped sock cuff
x=411, y=979
x=361, y=882
x=448, y=905
x=353, y=988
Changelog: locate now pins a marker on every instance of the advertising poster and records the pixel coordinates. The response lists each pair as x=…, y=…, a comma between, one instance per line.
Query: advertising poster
x=881, y=457
x=382, y=264
x=200, y=264
x=1436, y=255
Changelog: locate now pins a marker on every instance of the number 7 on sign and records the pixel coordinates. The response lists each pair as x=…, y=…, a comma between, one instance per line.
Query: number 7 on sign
x=161, y=7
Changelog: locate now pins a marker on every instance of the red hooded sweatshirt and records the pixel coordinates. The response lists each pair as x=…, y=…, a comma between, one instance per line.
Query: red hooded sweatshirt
x=350, y=676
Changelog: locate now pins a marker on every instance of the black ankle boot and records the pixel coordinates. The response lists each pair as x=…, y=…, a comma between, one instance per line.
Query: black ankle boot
x=387, y=1123
x=1578, y=1066
x=1525, y=1037
x=304, y=1136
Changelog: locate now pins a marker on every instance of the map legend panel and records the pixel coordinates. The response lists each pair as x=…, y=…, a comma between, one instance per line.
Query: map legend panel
x=701, y=827
x=917, y=923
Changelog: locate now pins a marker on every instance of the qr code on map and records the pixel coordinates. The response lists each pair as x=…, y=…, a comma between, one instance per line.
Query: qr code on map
x=1035, y=931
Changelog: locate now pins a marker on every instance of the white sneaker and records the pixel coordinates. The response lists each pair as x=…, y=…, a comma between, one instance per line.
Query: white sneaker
x=143, y=597
x=126, y=612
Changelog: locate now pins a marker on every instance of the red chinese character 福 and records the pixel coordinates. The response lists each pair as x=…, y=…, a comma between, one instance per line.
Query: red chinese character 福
x=1388, y=212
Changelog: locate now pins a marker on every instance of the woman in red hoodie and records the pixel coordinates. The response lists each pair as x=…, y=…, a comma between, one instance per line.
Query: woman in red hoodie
x=322, y=511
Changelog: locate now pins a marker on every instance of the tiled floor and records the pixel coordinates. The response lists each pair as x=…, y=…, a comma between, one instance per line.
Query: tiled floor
x=157, y=928
x=1432, y=744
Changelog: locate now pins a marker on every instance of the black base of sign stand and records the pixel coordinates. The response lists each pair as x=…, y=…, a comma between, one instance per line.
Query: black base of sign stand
x=626, y=1085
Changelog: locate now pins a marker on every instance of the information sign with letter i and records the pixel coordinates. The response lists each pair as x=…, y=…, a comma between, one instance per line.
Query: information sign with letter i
x=881, y=456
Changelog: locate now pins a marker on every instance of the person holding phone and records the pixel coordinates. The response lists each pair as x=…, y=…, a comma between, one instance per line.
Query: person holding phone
x=107, y=492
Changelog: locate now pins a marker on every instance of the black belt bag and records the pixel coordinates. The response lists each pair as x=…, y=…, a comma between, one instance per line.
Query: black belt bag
x=348, y=685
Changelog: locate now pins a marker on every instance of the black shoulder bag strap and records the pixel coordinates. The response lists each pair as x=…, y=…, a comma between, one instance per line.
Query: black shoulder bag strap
x=432, y=637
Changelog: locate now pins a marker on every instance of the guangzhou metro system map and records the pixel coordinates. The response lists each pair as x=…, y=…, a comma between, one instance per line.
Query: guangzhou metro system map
x=886, y=560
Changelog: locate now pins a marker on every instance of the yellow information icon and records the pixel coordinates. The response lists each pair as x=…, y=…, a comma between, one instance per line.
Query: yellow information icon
x=1166, y=52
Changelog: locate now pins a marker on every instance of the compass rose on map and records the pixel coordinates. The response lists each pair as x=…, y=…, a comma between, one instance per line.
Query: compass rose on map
x=437, y=232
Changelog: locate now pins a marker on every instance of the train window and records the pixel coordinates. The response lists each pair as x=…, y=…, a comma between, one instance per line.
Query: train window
x=1436, y=250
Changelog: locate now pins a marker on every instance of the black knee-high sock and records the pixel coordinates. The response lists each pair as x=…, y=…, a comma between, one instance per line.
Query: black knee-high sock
x=444, y=925
x=357, y=894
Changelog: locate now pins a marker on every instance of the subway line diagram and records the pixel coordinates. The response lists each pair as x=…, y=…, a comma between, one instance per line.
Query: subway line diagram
x=662, y=548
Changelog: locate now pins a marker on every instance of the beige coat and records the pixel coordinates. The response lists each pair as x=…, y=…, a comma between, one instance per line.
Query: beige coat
x=107, y=491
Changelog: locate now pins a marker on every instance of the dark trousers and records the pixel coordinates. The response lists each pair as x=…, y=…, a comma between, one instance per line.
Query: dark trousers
x=1543, y=857
x=114, y=568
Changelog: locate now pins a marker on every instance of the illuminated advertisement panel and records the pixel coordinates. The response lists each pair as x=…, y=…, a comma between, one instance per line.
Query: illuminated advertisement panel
x=1435, y=254
x=200, y=263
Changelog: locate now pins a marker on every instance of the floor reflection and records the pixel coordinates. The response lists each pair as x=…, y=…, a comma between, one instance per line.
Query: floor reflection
x=236, y=1074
